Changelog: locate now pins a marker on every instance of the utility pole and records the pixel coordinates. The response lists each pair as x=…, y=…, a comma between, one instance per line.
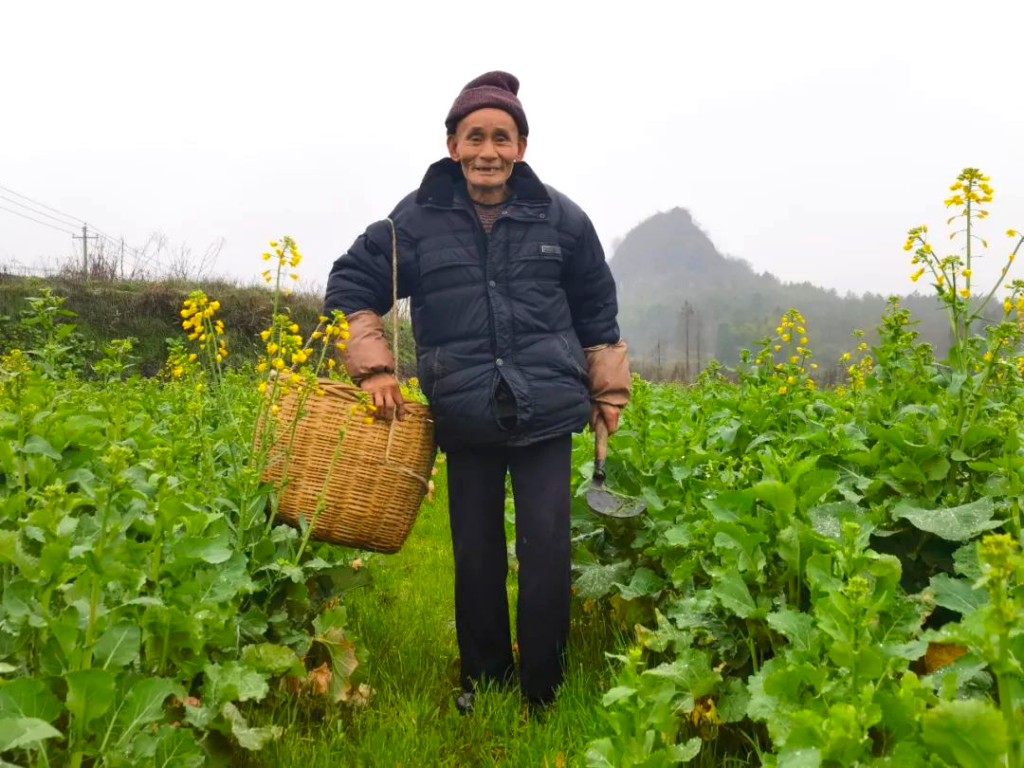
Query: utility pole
x=122, y=258
x=687, y=311
x=698, y=343
x=85, y=237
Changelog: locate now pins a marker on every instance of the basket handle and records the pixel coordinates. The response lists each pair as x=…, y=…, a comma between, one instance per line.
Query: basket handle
x=394, y=293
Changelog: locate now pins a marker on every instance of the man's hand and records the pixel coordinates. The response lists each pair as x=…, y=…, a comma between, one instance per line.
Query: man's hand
x=607, y=413
x=386, y=393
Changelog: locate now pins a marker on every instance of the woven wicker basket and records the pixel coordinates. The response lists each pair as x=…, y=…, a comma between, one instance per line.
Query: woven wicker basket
x=378, y=480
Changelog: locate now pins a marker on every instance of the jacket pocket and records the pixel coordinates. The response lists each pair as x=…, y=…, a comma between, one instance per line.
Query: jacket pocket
x=444, y=259
x=574, y=363
x=535, y=251
x=430, y=371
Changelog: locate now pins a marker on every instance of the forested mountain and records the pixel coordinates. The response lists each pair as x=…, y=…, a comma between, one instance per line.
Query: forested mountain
x=670, y=276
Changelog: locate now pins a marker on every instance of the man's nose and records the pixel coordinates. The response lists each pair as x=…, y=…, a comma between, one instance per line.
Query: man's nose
x=488, y=150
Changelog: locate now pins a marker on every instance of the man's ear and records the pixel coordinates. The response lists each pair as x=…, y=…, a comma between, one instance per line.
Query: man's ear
x=452, y=143
x=522, y=149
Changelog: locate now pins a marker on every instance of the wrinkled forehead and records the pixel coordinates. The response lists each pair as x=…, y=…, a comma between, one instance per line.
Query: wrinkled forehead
x=487, y=120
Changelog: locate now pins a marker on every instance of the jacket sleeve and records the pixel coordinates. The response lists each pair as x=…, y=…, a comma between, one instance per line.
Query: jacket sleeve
x=608, y=369
x=360, y=285
x=590, y=289
x=361, y=277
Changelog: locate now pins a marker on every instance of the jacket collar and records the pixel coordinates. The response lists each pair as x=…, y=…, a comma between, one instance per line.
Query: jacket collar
x=444, y=181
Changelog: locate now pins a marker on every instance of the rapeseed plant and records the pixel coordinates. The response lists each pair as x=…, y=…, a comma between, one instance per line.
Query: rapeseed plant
x=953, y=274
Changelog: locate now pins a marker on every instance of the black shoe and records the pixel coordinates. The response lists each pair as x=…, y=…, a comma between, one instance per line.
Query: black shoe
x=465, y=702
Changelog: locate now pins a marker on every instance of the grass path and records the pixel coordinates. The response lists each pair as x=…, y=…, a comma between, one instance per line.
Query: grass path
x=406, y=621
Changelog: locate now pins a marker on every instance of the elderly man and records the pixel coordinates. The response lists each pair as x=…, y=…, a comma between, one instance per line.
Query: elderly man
x=517, y=344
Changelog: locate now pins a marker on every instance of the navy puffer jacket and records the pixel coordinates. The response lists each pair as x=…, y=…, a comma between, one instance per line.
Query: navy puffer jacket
x=517, y=304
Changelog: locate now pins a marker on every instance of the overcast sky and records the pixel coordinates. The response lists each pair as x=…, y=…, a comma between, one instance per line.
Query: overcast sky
x=805, y=138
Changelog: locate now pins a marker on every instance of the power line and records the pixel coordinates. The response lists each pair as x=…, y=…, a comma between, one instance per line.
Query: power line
x=33, y=210
x=74, y=219
x=44, y=205
x=37, y=221
x=140, y=259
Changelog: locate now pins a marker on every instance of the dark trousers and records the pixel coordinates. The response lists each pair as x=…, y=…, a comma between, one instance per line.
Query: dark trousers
x=476, y=505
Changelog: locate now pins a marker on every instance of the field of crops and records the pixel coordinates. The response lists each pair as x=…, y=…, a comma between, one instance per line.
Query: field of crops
x=823, y=577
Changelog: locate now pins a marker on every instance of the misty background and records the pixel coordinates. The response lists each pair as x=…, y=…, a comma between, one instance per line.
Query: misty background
x=798, y=139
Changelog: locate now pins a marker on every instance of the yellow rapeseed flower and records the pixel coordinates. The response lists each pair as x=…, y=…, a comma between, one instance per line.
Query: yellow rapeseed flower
x=803, y=340
x=967, y=273
x=814, y=366
x=294, y=327
x=917, y=274
x=783, y=389
x=368, y=420
x=414, y=382
x=331, y=363
x=192, y=357
x=778, y=347
x=1011, y=233
x=275, y=409
x=278, y=363
x=785, y=337
x=790, y=379
x=272, y=347
x=262, y=387
x=261, y=367
x=987, y=357
x=1007, y=306
x=273, y=243
x=846, y=355
x=965, y=292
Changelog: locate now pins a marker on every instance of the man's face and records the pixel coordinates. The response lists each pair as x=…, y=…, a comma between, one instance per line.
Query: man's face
x=486, y=143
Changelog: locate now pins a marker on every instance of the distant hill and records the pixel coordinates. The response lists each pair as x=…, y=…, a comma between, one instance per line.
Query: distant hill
x=667, y=262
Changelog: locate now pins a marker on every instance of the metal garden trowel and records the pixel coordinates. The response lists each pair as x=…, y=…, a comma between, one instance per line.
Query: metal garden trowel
x=600, y=499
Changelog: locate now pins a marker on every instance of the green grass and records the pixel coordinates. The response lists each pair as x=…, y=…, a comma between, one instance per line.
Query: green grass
x=406, y=622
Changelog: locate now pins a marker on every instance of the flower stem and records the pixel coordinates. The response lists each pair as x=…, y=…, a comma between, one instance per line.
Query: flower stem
x=321, y=496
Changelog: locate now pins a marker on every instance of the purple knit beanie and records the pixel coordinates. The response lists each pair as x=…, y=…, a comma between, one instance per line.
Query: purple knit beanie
x=494, y=89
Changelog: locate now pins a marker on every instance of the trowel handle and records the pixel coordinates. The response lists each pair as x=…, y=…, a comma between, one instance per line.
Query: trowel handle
x=600, y=448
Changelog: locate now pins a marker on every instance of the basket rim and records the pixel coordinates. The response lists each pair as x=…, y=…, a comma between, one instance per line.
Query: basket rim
x=344, y=391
